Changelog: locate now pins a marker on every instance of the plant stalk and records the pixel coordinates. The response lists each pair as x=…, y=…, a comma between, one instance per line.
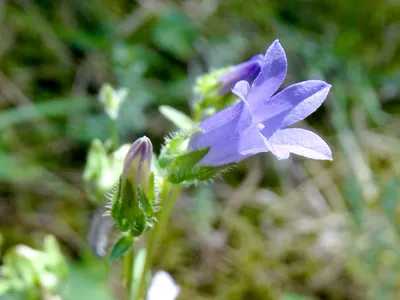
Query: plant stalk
x=129, y=262
x=168, y=196
x=114, y=134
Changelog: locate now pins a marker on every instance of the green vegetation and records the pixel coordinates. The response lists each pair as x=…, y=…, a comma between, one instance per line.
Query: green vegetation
x=288, y=230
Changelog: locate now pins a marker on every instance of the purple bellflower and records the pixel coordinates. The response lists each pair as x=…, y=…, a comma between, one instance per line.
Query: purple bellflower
x=257, y=122
x=245, y=71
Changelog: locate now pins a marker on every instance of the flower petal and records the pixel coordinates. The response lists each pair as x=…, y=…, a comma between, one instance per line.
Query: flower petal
x=235, y=149
x=272, y=74
x=222, y=125
x=293, y=104
x=302, y=142
x=241, y=89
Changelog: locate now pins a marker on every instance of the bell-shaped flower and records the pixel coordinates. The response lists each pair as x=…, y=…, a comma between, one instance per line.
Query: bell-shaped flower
x=257, y=122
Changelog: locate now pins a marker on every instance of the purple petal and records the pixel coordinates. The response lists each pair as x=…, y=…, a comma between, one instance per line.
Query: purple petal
x=293, y=104
x=277, y=150
x=245, y=71
x=241, y=89
x=235, y=149
x=222, y=125
x=272, y=74
x=301, y=142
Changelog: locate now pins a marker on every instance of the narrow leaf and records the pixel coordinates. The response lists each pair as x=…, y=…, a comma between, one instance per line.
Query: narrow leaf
x=121, y=247
x=179, y=119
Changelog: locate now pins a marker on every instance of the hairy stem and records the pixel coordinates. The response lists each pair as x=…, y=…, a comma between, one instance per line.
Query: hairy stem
x=168, y=196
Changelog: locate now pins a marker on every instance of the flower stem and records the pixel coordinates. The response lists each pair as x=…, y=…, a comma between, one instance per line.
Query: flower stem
x=197, y=113
x=129, y=262
x=114, y=134
x=168, y=196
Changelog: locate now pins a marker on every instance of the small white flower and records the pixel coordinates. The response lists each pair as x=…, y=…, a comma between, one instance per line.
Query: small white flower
x=163, y=287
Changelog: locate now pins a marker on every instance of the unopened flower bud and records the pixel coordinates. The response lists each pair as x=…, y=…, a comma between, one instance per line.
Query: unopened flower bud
x=132, y=207
x=137, y=163
x=248, y=71
x=112, y=99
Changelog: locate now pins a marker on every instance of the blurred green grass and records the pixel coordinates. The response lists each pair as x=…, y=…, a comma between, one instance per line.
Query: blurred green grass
x=272, y=230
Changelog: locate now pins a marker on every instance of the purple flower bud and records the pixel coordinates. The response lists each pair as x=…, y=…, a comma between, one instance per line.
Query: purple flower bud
x=132, y=207
x=137, y=164
x=247, y=71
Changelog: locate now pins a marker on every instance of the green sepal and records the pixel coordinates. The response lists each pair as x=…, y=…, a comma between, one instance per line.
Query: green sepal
x=132, y=215
x=152, y=187
x=144, y=213
x=186, y=161
x=174, y=146
x=132, y=209
x=121, y=247
x=145, y=204
x=116, y=204
x=198, y=173
x=185, y=168
x=140, y=223
x=171, y=149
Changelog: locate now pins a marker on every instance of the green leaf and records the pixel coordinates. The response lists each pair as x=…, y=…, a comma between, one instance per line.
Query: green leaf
x=121, y=247
x=179, y=119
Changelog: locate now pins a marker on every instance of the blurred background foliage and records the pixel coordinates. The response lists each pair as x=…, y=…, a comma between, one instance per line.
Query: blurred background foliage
x=289, y=230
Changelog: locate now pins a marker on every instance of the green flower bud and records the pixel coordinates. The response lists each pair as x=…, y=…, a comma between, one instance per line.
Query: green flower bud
x=133, y=203
x=209, y=96
x=112, y=99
